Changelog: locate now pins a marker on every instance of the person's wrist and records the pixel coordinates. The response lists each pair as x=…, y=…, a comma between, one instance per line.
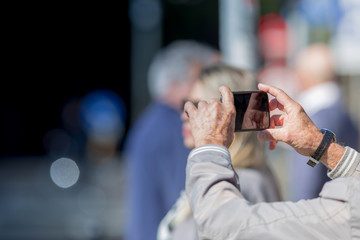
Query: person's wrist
x=332, y=155
x=315, y=140
x=209, y=141
x=328, y=138
x=217, y=139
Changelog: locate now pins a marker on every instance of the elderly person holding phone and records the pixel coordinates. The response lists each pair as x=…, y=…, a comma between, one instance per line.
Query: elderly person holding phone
x=248, y=157
x=212, y=186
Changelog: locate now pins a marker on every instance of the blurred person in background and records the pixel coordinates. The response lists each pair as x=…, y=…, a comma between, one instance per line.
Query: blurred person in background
x=102, y=115
x=257, y=182
x=154, y=151
x=322, y=99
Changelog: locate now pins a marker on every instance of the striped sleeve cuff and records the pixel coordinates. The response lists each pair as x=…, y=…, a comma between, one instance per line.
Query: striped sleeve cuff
x=210, y=147
x=347, y=165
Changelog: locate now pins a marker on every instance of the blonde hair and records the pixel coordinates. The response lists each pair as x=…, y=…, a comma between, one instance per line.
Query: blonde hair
x=246, y=150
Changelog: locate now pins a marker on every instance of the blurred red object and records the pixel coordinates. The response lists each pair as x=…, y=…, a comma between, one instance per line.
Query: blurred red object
x=273, y=46
x=272, y=31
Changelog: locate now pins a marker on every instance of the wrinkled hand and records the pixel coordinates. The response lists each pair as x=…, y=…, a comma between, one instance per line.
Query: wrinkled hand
x=297, y=129
x=213, y=122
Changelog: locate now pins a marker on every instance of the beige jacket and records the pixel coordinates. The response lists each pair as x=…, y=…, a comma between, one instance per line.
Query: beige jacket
x=221, y=212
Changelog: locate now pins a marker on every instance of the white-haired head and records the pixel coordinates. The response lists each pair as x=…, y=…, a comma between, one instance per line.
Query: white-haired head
x=172, y=64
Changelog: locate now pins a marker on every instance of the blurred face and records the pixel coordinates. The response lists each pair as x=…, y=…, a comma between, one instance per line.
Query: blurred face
x=178, y=91
x=196, y=93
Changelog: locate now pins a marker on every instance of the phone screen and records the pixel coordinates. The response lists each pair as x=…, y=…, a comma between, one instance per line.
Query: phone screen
x=252, y=111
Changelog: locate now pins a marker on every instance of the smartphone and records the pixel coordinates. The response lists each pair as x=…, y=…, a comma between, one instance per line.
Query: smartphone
x=252, y=110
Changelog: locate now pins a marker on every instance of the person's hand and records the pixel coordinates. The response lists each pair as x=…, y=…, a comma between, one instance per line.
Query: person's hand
x=213, y=122
x=297, y=129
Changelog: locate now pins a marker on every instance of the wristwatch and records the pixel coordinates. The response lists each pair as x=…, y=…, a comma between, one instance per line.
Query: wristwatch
x=328, y=138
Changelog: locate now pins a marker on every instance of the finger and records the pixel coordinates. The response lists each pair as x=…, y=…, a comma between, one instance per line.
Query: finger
x=276, y=120
x=184, y=116
x=279, y=94
x=274, y=104
x=227, y=95
x=201, y=104
x=189, y=109
x=272, y=145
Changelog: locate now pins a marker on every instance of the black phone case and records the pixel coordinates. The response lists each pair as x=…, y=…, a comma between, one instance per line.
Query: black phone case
x=237, y=121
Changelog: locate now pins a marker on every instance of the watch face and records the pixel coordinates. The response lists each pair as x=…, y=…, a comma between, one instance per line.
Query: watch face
x=324, y=130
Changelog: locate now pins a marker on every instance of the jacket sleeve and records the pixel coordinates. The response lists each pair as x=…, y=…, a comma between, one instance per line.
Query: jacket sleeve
x=221, y=212
x=348, y=166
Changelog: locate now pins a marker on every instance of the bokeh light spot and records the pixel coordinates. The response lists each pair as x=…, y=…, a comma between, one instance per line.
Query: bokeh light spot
x=64, y=172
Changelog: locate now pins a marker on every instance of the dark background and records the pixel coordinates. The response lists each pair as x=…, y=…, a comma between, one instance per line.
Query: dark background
x=56, y=52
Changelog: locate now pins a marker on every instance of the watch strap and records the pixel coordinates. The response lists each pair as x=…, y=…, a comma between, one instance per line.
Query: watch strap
x=328, y=138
